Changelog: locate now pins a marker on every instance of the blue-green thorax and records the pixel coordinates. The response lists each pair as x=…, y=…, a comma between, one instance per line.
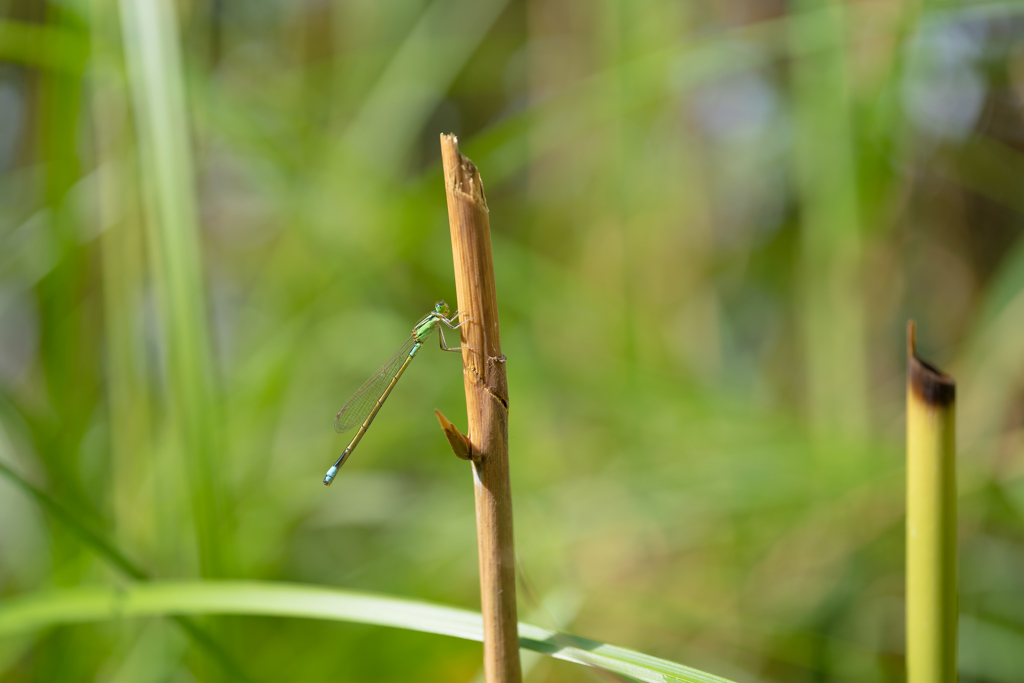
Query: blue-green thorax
x=425, y=327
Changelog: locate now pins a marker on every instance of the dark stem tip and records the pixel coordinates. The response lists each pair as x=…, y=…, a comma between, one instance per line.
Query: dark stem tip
x=932, y=385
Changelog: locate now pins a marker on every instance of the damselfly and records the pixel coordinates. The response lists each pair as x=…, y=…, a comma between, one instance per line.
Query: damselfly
x=368, y=399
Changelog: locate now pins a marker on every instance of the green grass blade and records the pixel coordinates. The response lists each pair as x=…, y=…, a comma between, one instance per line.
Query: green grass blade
x=95, y=603
x=419, y=75
x=123, y=282
x=73, y=523
x=830, y=231
x=113, y=555
x=156, y=82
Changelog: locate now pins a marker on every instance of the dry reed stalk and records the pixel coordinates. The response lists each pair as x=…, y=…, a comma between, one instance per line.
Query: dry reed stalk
x=487, y=411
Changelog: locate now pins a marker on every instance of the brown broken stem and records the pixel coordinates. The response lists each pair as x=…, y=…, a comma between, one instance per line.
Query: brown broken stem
x=486, y=409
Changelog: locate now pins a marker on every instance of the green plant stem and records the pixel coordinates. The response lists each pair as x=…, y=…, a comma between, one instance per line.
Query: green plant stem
x=157, y=86
x=826, y=174
x=932, y=606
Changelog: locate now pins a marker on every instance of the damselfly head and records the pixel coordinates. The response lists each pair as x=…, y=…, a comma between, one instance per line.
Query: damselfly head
x=442, y=308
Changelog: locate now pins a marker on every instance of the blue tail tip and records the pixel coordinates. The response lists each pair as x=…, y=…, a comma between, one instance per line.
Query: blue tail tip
x=329, y=477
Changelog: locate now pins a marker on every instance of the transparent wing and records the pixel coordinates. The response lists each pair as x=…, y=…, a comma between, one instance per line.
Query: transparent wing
x=358, y=407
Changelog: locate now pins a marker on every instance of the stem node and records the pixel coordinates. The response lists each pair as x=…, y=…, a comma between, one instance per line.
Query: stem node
x=458, y=441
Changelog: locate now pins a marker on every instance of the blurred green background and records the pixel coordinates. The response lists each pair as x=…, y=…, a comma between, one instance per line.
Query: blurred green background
x=710, y=223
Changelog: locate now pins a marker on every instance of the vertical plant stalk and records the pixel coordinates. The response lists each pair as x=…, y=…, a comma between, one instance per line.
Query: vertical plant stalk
x=486, y=409
x=830, y=230
x=156, y=83
x=123, y=282
x=932, y=606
